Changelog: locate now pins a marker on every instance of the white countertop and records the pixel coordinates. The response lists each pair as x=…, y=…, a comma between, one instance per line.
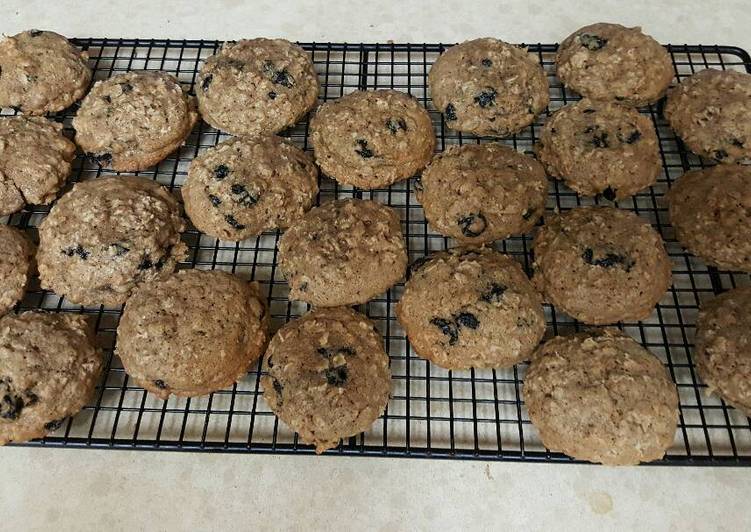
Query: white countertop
x=98, y=490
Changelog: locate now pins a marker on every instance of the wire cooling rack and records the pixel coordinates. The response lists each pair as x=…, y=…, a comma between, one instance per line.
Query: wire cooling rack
x=433, y=412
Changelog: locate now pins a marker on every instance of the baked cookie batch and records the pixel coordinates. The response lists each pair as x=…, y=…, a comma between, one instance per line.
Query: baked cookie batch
x=596, y=395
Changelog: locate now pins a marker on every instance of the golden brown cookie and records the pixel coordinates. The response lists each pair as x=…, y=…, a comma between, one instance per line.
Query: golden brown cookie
x=327, y=375
x=344, y=252
x=41, y=72
x=257, y=86
x=108, y=235
x=600, y=396
x=371, y=139
x=192, y=333
x=245, y=186
x=611, y=62
x=471, y=308
x=49, y=367
x=601, y=264
x=600, y=148
x=488, y=87
x=132, y=121
x=710, y=210
x=16, y=261
x=478, y=193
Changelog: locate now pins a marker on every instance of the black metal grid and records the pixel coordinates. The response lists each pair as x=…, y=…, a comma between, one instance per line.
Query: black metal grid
x=433, y=412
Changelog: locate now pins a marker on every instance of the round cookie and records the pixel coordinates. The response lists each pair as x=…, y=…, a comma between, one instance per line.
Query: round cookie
x=41, y=72
x=15, y=266
x=35, y=161
x=600, y=148
x=245, y=186
x=256, y=86
x=327, y=376
x=49, y=367
x=478, y=193
x=600, y=396
x=108, y=235
x=192, y=333
x=601, y=264
x=132, y=121
x=611, y=62
x=711, y=112
x=723, y=347
x=710, y=210
x=471, y=308
x=344, y=252
x=371, y=139
x=488, y=87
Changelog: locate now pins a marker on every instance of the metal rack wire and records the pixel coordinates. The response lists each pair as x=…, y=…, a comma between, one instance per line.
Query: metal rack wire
x=433, y=413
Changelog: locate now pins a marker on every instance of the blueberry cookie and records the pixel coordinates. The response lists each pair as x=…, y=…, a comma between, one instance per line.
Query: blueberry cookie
x=327, y=376
x=471, y=308
x=192, y=333
x=488, y=87
x=478, y=193
x=245, y=186
x=723, y=347
x=611, y=62
x=344, y=252
x=256, y=86
x=108, y=235
x=600, y=396
x=15, y=266
x=35, y=161
x=41, y=72
x=710, y=209
x=49, y=367
x=600, y=148
x=711, y=112
x=132, y=121
x=371, y=139
x=601, y=264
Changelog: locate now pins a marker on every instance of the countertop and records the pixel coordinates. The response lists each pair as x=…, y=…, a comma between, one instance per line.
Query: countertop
x=109, y=490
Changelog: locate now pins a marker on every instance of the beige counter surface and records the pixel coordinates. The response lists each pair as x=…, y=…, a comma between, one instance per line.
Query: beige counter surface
x=49, y=489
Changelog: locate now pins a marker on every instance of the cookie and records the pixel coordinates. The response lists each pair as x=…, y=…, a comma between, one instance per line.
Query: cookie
x=371, y=139
x=256, y=86
x=723, y=347
x=600, y=396
x=132, y=121
x=600, y=148
x=108, y=235
x=478, y=193
x=710, y=210
x=471, y=308
x=49, y=367
x=15, y=266
x=35, y=161
x=711, y=112
x=327, y=376
x=41, y=72
x=601, y=264
x=245, y=186
x=344, y=252
x=488, y=87
x=192, y=332
x=613, y=63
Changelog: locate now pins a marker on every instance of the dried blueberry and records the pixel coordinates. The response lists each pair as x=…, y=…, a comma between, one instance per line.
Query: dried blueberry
x=77, y=250
x=279, y=77
x=633, y=136
x=363, y=150
x=609, y=194
x=494, y=293
x=233, y=222
x=592, y=42
x=448, y=328
x=467, y=319
x=102, y=159
x=207, y=82
x=242, y=195
x=473, y=224
x=35, y=33
x=53, y=425
x=272, y=95
x=600, y=140
x=278, y=388
x=737, y=143
x=159, y=383
x=610, y=260
x=395, y=125
x=337, y=376
x=119, y=249
x=215, y=200
x=12, y=402
x=450, y=112
x=720, y=154
x=486, y=98
x=146, y=263
x=126, y=87
x=221, y=171
x=487, y=62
